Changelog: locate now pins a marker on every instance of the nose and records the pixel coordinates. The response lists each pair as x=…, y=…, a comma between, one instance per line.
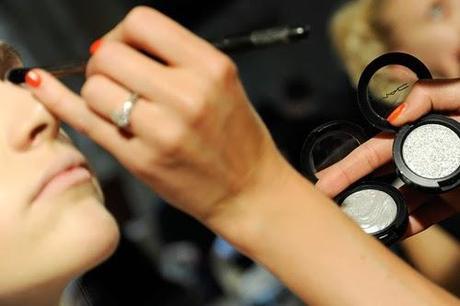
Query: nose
x=31, y=124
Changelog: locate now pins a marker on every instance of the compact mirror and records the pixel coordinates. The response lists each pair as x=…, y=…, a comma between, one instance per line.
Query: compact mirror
x=388, y=87
x=328, y=144
x=384, y=84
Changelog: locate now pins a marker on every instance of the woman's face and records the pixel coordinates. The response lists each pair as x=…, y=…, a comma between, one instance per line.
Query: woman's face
x=428, y=29
x=53, y=223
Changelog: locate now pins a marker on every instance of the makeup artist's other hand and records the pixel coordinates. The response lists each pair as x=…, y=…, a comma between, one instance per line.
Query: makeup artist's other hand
x=425, y=210
x=194, y=136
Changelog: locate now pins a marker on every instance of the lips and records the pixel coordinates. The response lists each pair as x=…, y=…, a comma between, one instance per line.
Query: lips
x=64, y=171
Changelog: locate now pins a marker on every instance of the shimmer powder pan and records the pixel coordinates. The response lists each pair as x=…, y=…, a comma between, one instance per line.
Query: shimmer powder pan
x=378, y=208
x=426, y=152
x=374, y=204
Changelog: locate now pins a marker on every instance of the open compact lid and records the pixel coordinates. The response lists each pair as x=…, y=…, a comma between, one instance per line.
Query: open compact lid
x=385, y=83
x=328, y=144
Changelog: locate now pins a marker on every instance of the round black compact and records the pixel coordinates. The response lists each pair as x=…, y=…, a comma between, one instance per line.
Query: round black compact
x=378, y=208
x=373, y=203
x=328, y=144
x=426, y=152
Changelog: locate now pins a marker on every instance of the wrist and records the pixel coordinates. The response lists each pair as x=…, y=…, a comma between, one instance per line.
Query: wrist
x=245, y=218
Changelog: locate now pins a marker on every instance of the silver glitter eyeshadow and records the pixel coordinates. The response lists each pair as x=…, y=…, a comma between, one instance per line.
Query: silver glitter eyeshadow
x=432, y=151
x=373, y=210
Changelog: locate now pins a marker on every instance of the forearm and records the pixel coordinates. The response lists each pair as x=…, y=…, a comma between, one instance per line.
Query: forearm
x=436, y=254
x=306, y=240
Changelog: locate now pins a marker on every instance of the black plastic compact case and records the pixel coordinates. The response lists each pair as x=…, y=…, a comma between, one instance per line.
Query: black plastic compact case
x=373, y=203
x=426, y=152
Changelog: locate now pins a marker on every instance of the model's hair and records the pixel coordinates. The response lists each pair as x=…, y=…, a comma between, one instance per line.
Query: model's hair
x=359, y=35
x=9, y=58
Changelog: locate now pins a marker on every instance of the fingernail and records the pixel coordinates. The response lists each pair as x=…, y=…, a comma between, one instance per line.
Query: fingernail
x=94, y=46
x=396, y=113
x=33, y=79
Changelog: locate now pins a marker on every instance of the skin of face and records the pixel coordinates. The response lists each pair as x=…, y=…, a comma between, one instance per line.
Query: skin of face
x=428, y=29
x=44, y=243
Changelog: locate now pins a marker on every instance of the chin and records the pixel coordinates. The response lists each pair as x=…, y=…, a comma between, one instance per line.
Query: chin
x=97, y=239
x=84, y=235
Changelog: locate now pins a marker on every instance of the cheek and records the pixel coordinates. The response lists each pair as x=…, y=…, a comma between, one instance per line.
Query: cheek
x=438, y=48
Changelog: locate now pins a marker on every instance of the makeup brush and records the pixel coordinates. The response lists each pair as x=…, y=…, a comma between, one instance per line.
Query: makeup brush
x=230, y=44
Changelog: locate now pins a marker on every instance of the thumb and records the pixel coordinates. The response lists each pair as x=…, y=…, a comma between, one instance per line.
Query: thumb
x=426, y=96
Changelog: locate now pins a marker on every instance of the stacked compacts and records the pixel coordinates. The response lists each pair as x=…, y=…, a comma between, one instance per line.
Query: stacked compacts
x=426, y=154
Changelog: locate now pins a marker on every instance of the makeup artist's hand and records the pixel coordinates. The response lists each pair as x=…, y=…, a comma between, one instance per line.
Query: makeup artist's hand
x=425, y=210
x=194, y=136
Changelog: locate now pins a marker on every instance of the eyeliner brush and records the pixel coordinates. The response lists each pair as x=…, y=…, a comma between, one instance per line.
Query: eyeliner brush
x=18, y=75
x=244, y=42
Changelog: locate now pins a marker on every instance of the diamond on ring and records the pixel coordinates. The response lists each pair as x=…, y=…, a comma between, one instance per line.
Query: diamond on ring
x=121, y=117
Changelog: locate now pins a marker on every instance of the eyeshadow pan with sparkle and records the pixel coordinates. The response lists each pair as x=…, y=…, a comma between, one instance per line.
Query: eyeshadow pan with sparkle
x=426, y=152
x=432, y=151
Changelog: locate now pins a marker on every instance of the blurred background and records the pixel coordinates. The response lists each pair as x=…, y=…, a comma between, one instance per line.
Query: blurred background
x=165, y=257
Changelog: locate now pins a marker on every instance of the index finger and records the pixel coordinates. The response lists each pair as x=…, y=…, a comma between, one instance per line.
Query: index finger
x=149, y=30
x=365, y=159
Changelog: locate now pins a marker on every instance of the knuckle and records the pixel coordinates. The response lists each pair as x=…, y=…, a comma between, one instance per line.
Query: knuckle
x=223, y=69
x=372, y=157
x=421, y=89
x=172, y=144
x=197, y=107
x=136, y=18
x=344, y=176
x=103, y=57
x=91, y=85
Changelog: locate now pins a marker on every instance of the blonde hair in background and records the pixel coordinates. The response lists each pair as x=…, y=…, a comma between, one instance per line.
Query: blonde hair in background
x=359, y=35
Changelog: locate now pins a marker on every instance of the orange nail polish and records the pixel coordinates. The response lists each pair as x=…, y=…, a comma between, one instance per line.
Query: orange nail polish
x=33, y=79
x=94, y=46
x=396, y=113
